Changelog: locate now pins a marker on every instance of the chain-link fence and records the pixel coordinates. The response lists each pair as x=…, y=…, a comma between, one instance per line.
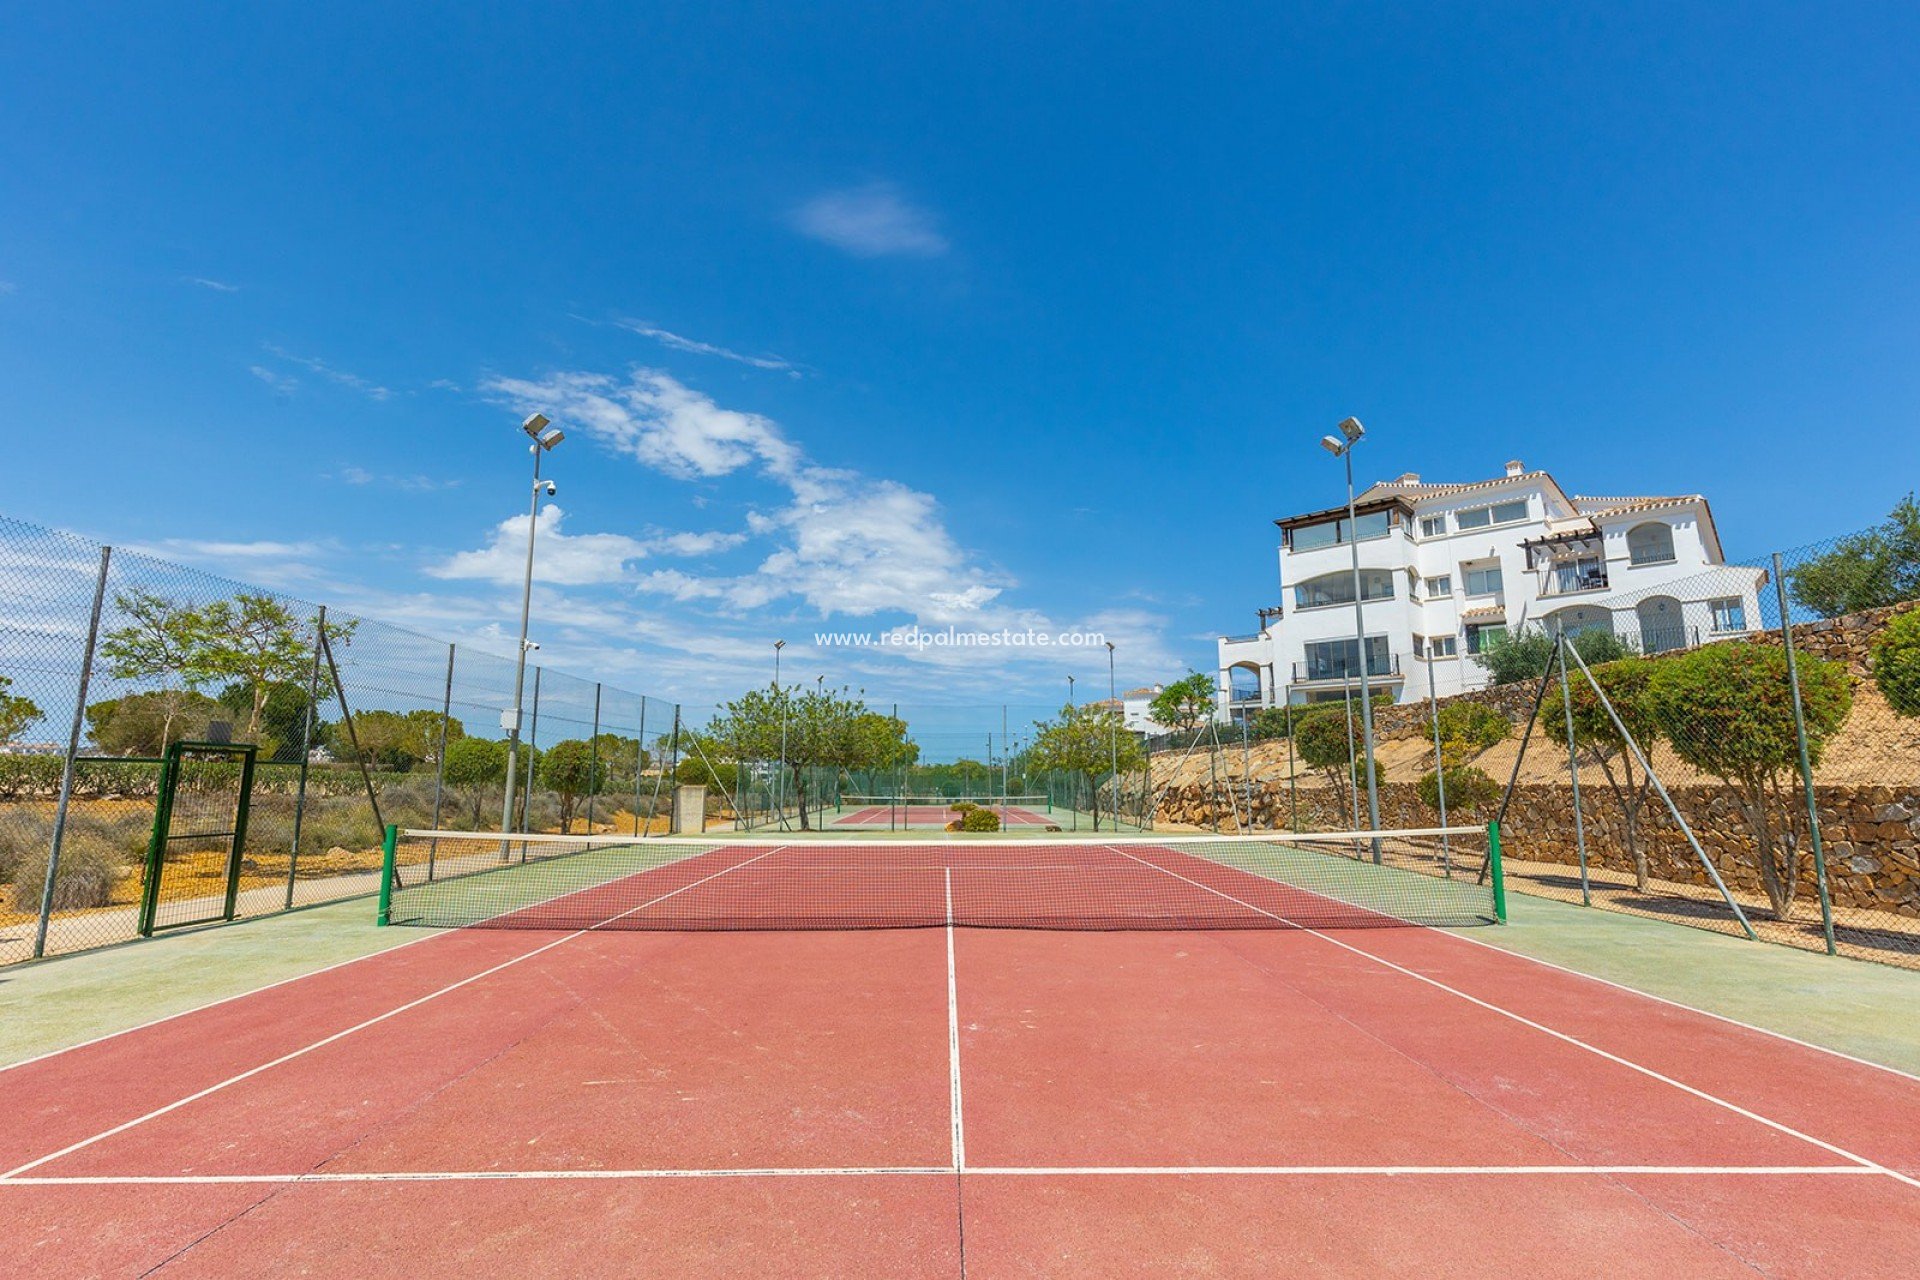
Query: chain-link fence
x=108, y=657
x=1683, y=794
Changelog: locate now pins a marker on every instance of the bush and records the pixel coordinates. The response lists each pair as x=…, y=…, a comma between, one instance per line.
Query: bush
x=963, y=806
x=1269, y=723
x=91, y=865
x=1469, y=791
x=978, y=819
x=1896, y=663
x=1727, y=710
x=1524, y=657
x=1468, y=729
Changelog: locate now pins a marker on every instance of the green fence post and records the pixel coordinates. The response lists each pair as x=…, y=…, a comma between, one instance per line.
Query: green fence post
x=389, y=844
x=1495, y=873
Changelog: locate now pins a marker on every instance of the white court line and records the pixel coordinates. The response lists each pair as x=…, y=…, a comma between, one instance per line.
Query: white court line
x=281, y=982
x=996, y=1171
x=953, y=1038
x=1649, y=1072
x=361, y=1026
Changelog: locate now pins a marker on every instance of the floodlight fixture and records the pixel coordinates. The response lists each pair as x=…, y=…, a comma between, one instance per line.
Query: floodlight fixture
x=1352, y=430
x=535, y=424
x=1333, y=445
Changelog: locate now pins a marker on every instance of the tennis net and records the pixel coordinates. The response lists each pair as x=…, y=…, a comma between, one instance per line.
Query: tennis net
x=1432, y=876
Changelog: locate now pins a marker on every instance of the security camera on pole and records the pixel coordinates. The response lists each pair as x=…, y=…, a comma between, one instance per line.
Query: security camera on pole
x=1341, y=446
x=544, y=442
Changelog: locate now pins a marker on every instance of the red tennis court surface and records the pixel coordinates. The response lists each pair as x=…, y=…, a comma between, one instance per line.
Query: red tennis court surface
x=935, y=815
x=945, y=1101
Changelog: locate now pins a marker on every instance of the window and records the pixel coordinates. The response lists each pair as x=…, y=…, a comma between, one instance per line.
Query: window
x=1332, y=533
x=1728, y=614
x=1483, y=517
x=1338, y=659
x=1484, y=581
x=1432, y=526
x=1337, y=588
x=1440, y=586
x=1650, y=544
x=1588, y=573
x=1482, y=638
x=1436, y=646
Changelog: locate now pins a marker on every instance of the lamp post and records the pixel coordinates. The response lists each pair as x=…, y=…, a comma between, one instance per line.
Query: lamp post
x=544, y=442
x=780, y=795
x=1113, y=737
x=1069, y=691
x=1341, y=446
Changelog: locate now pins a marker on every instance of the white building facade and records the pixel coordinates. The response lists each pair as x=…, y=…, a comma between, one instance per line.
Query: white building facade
x=1448, y=569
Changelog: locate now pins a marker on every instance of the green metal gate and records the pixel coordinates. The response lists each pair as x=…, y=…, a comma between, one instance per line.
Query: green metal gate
x=199, y=830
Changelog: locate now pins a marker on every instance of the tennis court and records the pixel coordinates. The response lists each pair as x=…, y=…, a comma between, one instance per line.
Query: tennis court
x=913, y=812
x=1020, y=1057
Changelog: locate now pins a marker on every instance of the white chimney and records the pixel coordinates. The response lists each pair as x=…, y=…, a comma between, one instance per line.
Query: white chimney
x=1410, y=477
x=1515, y=467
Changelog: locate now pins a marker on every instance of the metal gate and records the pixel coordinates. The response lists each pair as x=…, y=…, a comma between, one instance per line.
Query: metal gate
x=199, y=830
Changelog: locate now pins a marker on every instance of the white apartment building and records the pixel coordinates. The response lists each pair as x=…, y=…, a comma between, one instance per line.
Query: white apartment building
x=1136, y=709
x=1446, y=569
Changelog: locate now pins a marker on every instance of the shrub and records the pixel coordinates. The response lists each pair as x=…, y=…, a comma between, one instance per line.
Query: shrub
x=1625, y=684
x=1524, y=657
x=978, y=819
x=1727, y=710
x=1469, y=791
x=1896, y=663
x=1468, y=729
x=1269, y=723
x=963, y=806
x=91, y=865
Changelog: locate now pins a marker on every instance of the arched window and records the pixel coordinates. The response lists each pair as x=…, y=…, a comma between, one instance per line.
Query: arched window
x=1650, y=543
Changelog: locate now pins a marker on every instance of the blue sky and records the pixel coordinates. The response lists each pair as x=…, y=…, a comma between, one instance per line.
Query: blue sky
x=1000, y=315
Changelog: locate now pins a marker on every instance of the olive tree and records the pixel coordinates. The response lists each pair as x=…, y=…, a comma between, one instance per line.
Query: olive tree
x=1626, y=684
x=1727, y=710
x=1084, y=741
x=813, y=727
x=476, y=770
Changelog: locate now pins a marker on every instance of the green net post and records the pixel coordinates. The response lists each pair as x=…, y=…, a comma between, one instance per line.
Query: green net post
x=389, y=846
x=1495, y=873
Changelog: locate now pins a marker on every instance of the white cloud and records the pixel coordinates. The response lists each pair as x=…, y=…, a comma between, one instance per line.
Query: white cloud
x=870, y=221
x=657, y=420
x=218, y=286
x=279, y=383
x=353, y=381
x=412, y=484
x=674, y=341
x=574, y=560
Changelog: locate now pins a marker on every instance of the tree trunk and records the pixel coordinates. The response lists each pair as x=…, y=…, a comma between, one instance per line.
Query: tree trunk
x=1767, y=855
x=800, y=796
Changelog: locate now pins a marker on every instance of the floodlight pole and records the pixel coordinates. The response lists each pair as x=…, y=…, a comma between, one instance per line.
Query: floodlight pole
x=780, y=795
x=1113, y=738
x=533, y=426
x=1351, y=429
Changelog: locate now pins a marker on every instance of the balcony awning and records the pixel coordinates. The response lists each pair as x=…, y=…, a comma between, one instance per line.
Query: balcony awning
x=1485, y=613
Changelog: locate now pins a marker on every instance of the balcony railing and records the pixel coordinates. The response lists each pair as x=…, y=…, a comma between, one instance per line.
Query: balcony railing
x=1339, y=669
x=1242, y=639
x=1566, y=584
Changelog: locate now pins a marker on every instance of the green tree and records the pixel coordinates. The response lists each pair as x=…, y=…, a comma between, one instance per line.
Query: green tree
x=570, y=771
x=1469, y=790
x=283, y=719
x=1896, y=663
x=1321, y=739
x=1524, y=656
x=390, y=740
x=1880, y=566
x=1186, y=704
x=1270, y=722
x=16, y=712
x=1467, y=729
x=145, y=724
x=254, y=639
x=476, y=770
x=1727, y=710
x=155, y=642
x=811, y=728
x=1083, y=742
x=1626, y=684
x=623, y=759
